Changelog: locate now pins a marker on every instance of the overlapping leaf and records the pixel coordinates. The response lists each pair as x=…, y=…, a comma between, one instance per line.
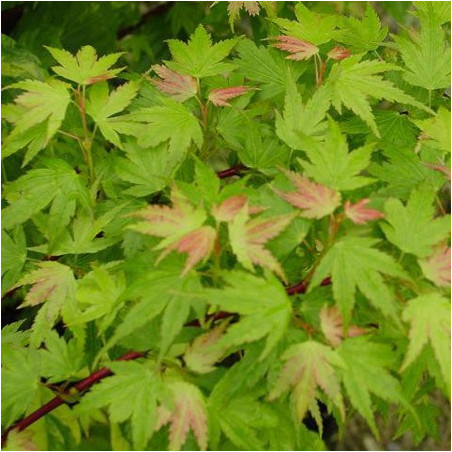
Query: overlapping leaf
x=353, y=262
x=309, y=366
x=353, y=81
x=413, y=227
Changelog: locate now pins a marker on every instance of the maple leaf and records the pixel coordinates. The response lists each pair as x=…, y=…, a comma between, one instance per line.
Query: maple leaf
x=85, y=68
x=265, y=66
x=102, y=107
x=203, y=352
x=263, y=305
x=316, y=200
x=248, y=237
x=220, y=96
x=429, y=319
x=367, y=371
x=40, y=112
x=252, y=8
x=302, y=120
x=331, y=163
x=352, y=262
x=198, y=244
x=299, y=50
x=171, y=122
x=412, y=228
x=359, y=213
x=436, y=268
x=361, y=35
x=339, y=53
x=331, y=324
x=189, y=413
x=58, y=185
x=53, y=284
x=229, y=208
x=181, y=226
x=199, y=58
x=441, y=168
x=311, y=26
x=436, y=130
x=179, y=87
x=309, y=366
x=20, y=382
x=352, y=81
x=427, y=54
x=132, y=393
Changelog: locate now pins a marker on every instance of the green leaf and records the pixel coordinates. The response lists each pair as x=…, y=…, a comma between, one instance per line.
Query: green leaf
x=60, y=360
x=412, y=228
x=367, y=372
x=41, y=103
x=199, y=58
x=263, y=305
x=302, y=120
x=131, y=394
x=85, y=68
x=265, y=66
x=437, y=129
x=332, y=164
x=102, y=107
x=352, y=262
x=427, y=54
x=429, y=319
x=311, y=26
x=309, y=366
x=173, y=122
x=99, y=297
x=352, y=82
x=20, y=383
x=58, y=185
x=170, y=294
x=361, y=35
x=14, y=254
x=207, y=181
x=148, y=170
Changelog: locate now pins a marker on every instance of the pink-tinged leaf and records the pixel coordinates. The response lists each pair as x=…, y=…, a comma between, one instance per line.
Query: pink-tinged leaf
x=248, y=237
x=441, y=168
x=252, y=8
x=229, y=208
x=181, y=226
x=204, y=352
x=299, y=50
x=332, y=326
x=316, y=200
x=51, y=282
x=220, y=96
x=308, y=366
x=339, y=53
x=180, y=87
x=189, y=413
x=359, y=213
x=436, y=268
x=198, y=244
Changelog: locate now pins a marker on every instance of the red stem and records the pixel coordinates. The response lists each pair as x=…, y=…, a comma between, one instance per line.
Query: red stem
x=80, y=386
x=234, y=171
x=86, y=383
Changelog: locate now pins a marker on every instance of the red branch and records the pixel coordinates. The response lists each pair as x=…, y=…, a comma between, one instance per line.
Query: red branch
x=80, y=386
x=234, y=171
x=94, y=378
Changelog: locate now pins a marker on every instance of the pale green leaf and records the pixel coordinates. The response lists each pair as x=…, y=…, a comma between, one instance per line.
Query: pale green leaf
x=412, y=227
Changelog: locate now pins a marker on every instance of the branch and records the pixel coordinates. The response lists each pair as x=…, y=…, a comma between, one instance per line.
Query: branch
x=80, y=387
x=234, y=171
